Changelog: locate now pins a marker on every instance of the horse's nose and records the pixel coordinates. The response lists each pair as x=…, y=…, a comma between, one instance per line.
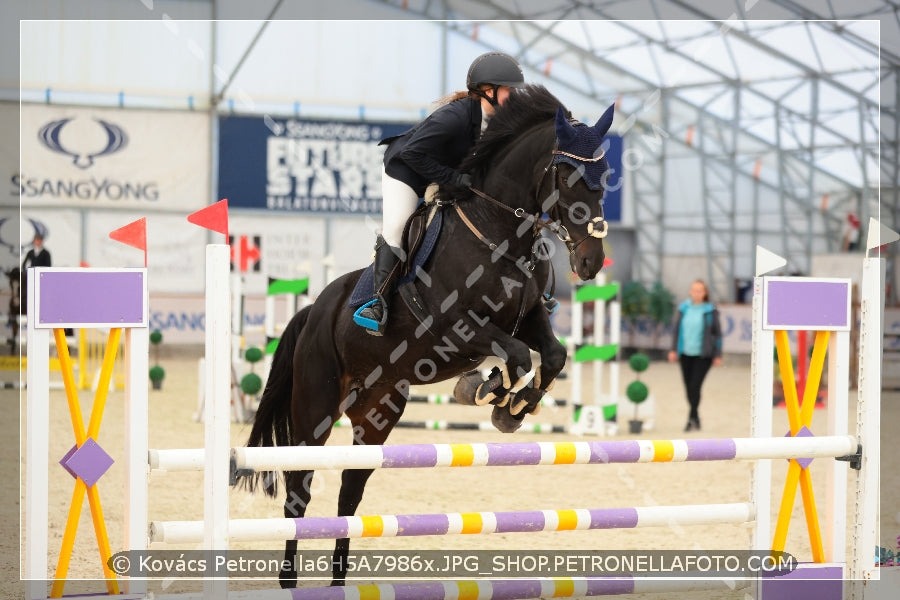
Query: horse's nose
x=590, y=267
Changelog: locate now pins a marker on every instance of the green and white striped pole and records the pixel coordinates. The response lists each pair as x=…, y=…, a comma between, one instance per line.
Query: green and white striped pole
x=595, y=418
x=290, y=290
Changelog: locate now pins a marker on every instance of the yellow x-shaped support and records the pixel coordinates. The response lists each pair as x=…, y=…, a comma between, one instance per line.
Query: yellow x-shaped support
x=81, y=436
x=800, y=416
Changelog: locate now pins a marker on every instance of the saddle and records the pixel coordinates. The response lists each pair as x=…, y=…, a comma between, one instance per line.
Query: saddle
x=419, y=240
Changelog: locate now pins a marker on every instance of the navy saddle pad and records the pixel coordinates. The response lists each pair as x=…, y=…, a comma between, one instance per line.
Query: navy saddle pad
x=365, y=287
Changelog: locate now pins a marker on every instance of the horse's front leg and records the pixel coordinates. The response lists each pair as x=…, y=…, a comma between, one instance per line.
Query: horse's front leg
x=373, y=413
x=537, y=333
x=486, y=339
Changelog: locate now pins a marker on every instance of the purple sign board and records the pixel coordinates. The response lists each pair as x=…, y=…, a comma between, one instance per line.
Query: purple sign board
x=806, y=303
x=90, y=297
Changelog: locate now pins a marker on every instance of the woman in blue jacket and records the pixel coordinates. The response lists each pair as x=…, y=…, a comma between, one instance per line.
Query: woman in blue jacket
x=696, y=344
x=429, y=153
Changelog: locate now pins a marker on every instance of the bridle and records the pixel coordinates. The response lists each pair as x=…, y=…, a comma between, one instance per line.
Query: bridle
x=596, y=228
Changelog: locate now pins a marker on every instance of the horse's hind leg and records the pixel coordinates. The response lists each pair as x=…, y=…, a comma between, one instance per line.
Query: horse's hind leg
x=373, y=415
x=315, y=401
x=297, y=485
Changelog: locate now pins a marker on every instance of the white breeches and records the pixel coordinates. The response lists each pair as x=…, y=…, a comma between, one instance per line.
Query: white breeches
x=398, y=203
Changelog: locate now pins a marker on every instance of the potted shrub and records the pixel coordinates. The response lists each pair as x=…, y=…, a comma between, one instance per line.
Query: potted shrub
x=157, y=373
x=251, y=383
x=637, y=391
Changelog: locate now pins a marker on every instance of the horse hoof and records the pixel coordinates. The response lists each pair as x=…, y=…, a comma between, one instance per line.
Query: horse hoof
x=528, y=400
x=492, y=390
x=501, y=401
x=467, y=387
x=504, y=421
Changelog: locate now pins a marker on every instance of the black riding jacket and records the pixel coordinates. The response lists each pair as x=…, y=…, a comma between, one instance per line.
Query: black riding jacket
x=432, y=150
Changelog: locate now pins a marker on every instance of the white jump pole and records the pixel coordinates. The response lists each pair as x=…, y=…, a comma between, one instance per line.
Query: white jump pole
x=576, y=338
x=868, y=421
x=37, y=451
x=217, y=409
x=137, y=443
x=761, y=382
x=598, y=339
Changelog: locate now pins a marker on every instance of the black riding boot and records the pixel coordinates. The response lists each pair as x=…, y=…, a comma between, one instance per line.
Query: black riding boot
x=386, y=259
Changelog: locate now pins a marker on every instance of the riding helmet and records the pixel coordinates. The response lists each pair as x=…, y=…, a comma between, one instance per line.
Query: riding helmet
x=496, y=68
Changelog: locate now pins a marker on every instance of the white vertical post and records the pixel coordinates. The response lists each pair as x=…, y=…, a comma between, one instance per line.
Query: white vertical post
x=575, y=340
x=598, y=340
x=615, y=337
x=865, y=532
x=761, y=381
x=217, y=410
x=200, y=415
x=37, y=449
x=237, y=317
x=137, y=355
x=835, y=542
x=270, y=316
x=237, y=304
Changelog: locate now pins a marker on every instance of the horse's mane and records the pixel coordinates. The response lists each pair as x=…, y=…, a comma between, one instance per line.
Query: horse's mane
x=526, y=107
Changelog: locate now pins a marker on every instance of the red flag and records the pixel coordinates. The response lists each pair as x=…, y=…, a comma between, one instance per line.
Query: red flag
x=134, y=234
x=214, y=217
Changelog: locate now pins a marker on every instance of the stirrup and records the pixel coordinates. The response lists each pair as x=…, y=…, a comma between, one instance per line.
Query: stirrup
x=550, y=303
x=371, y=325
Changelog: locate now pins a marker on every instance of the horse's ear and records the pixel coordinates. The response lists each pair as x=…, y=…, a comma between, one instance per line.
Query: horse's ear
x=565, y=133
x=603, y=123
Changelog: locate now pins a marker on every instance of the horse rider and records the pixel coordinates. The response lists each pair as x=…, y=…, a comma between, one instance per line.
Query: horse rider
x=428, y=153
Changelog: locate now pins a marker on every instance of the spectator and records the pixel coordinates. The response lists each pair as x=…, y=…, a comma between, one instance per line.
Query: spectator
x=696, y=344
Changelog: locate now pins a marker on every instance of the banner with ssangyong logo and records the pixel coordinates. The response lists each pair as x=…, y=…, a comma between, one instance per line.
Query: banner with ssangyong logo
x=113, y=158
x=301, y=164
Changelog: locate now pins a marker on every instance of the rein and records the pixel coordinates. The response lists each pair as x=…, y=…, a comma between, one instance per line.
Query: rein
x=596, y=227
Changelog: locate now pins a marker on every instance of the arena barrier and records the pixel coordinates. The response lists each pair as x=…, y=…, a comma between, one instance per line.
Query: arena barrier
x=771, y=320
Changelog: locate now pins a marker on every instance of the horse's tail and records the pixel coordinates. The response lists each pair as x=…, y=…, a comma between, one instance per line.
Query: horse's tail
x=272, y=425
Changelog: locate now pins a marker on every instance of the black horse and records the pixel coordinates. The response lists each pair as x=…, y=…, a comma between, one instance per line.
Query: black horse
x=478, y=296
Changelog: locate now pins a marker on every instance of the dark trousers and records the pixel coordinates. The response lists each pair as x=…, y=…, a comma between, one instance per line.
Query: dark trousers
x=693, y=371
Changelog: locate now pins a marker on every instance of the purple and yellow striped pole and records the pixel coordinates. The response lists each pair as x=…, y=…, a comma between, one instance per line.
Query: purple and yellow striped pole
x=518, y=453
x=487, y=589
x=473, y=523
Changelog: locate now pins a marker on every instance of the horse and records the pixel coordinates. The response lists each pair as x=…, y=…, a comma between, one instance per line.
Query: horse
x=479, y=295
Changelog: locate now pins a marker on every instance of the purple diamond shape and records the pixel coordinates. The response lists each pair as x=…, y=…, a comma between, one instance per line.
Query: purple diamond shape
x=89, y=462
x=803, y=432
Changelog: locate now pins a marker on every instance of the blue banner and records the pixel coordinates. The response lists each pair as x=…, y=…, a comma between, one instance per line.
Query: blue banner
x=612, y=197
x=302, y=164
x=305, y=165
